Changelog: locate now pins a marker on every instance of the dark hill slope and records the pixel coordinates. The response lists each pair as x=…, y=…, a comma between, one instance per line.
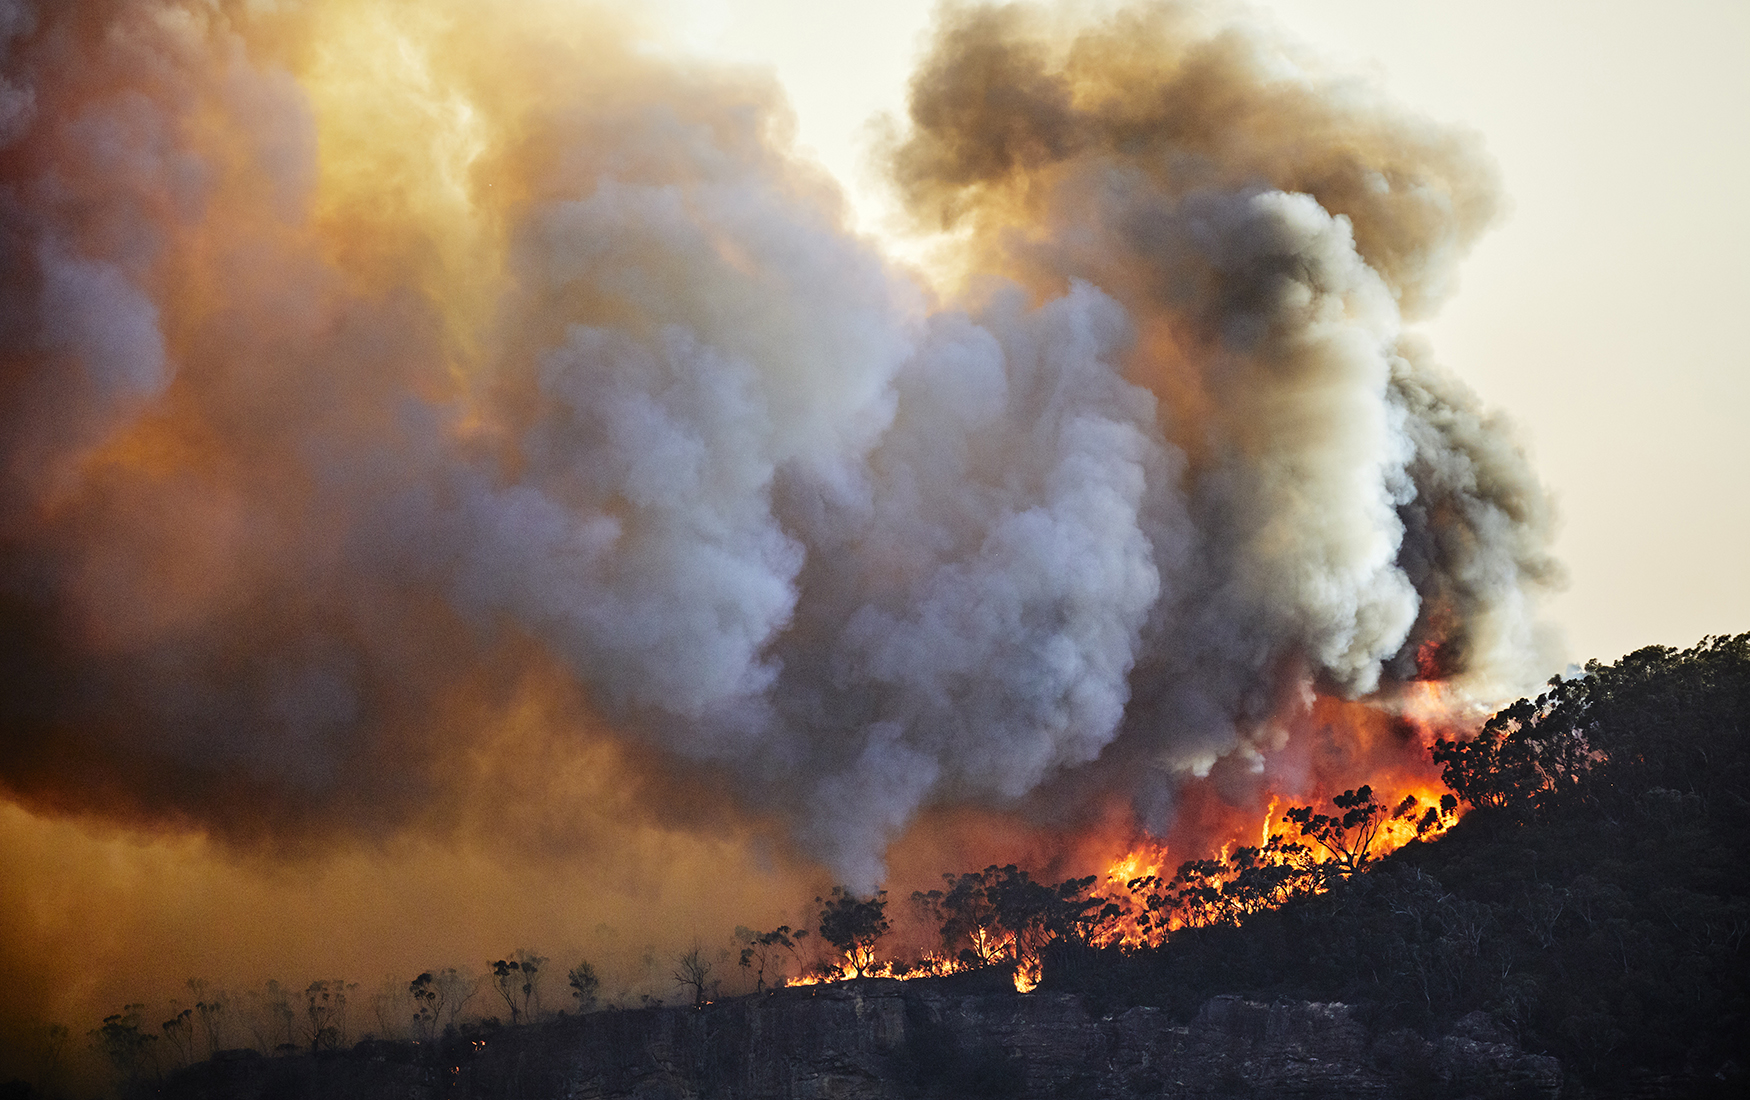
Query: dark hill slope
x=929, y=1039
x=1595, y=903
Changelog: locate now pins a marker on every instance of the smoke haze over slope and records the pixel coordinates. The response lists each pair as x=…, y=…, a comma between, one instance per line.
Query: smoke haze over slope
x=434, y=422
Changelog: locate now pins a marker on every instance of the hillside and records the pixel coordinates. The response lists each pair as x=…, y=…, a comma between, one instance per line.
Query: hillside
x=881, y=1039
x=1594, y=902
x=1580, y=931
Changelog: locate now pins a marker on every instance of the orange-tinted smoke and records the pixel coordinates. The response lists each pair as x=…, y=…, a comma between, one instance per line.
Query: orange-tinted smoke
x=263, y=332
x=265, y=311
x=470, y=425
x=1269, y=230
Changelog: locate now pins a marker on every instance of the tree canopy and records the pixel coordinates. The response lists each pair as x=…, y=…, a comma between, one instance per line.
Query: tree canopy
x=1595, y=902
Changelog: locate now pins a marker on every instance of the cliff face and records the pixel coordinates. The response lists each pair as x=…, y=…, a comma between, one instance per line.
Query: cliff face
x=877, y=1039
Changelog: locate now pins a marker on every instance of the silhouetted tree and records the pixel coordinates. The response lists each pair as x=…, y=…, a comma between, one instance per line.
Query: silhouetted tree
x=271, y=1020
x=1348, y=837
x=325, y=1010
x=1595, y=904
x=533, y=967
x=1037, y=914
x=1501, y=767
x=127, y=1048
x=179, y=1033
x=1206, y=892
x=394, y=1010
x=459, y=989
x=429, y=996
x=506, y=977
x=966, y=917
x=438, y=998
x=854, y=925
x=517, y=981
x=584, y=985
x=209, y=1014
x=762, y=949
x=1656, y=719
x=692, y=971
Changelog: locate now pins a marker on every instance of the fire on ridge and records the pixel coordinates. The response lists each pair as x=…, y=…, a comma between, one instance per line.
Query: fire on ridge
x=400, y=397
x=1222, y=863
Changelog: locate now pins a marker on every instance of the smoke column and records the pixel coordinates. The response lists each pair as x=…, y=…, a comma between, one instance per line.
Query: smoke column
x=1343, y=517
x=379, y=375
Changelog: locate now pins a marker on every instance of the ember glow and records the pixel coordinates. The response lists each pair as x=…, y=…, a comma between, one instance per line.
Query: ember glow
x=1343, y=746
x=473, y=427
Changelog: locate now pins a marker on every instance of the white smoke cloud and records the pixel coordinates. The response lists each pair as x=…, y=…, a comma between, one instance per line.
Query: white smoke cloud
x=1005, y=567
x=631, y=395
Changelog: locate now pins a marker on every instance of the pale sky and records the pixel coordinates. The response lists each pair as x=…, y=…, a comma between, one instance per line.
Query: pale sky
x=1604, y=314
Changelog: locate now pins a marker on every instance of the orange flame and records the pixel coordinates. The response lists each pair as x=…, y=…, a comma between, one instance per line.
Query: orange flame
x=1339, y=746
x=1336, y=746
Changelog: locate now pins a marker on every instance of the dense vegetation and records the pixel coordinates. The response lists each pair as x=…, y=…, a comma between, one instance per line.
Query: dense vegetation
x=1595, y=900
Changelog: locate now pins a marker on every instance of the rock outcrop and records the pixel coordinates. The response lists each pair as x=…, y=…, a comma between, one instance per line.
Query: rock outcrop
x=877, y=1039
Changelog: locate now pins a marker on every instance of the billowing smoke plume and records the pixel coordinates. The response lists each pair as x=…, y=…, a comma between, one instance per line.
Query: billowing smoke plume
x=1349, y=519
x=367, y=361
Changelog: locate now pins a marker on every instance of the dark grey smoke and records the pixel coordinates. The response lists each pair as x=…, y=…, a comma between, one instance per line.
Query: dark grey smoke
x=296, y=471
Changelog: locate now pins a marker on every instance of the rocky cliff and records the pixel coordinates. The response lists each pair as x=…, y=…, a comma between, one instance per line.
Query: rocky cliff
x=878, y=1039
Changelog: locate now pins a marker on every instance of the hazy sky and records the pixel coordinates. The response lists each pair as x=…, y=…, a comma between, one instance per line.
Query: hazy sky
x=1603, y=314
